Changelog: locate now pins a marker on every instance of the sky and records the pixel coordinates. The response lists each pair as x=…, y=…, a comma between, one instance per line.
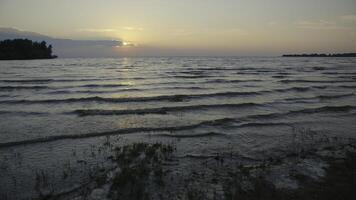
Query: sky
x=193, y=27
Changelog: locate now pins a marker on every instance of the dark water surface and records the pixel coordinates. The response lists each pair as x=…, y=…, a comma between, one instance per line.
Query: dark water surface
x=57, y=114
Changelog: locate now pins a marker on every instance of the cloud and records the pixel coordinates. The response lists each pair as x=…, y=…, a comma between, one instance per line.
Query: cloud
x=320, y=25
x=237, y=31
x=182, y=32
x=110, y=30
x=272, y=23
x=348, y=17
x=130, y=28
x=67, y=47
x=105, y=30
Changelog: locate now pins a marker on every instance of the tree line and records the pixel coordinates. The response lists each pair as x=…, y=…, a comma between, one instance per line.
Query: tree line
x=322, y=55
x=23, y=49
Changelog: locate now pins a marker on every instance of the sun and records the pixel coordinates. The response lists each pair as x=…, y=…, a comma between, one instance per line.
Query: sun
x=127, y=44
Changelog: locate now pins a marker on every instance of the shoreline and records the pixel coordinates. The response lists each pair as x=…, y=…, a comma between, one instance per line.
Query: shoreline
x=143, y=170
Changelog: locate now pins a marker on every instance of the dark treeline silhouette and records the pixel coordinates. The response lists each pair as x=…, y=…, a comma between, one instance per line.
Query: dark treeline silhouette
x=322, y=55
x=23, y=49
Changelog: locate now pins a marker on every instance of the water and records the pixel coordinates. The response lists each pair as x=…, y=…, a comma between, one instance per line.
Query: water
x=55, y=112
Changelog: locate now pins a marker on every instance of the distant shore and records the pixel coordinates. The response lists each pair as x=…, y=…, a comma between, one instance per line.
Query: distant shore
x=321, y=55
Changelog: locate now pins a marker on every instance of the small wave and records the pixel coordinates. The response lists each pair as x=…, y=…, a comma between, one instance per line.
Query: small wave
x=326, y=109
x=248, y=73
x=194, y=72
x=175, y=128
x=23, y=87
x=5, y=112
x=265, y=71
x=247, y=69
x=320, y=87
x=42, y=81
x=28, y=81
x=341, y=73
x=348, y=86
x=335, y=96
x=219, y=122
x=318, y=68
x=330, y=73
x=172, y=98
x=185, y=87
x=198, y=135
x=297, y=89
x=231, y=81
x=216, y=69
x=261, y=124
x=80, y=80
x=102, y=85
x=99, y=134
x=96, y=99
x=198, y=156
x=315, y=81
x=284, y=73
x=279, y=76
x=91, y=91
x=191, y=77
x=169, y=83
x=301, y=111
x=162, y=110
x=346, y=77
x=320, y=97
x=265, y=116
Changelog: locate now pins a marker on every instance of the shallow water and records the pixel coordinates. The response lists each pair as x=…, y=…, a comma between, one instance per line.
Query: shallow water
x=56, y=112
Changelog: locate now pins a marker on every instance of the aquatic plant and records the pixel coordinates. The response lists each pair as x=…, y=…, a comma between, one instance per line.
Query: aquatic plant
x=139, y=163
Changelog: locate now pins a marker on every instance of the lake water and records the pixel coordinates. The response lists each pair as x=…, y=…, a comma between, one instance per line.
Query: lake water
x=56, y=113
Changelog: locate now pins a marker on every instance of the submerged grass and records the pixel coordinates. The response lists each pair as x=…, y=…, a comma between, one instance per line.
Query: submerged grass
x=339, y=182
x=142, y=171
x=140, y=163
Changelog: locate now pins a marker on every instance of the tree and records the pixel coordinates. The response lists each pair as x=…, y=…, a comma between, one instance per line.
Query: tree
x=20, y=49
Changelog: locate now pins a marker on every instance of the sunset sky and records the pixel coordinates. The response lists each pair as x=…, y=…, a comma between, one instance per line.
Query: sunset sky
x=194, y=27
